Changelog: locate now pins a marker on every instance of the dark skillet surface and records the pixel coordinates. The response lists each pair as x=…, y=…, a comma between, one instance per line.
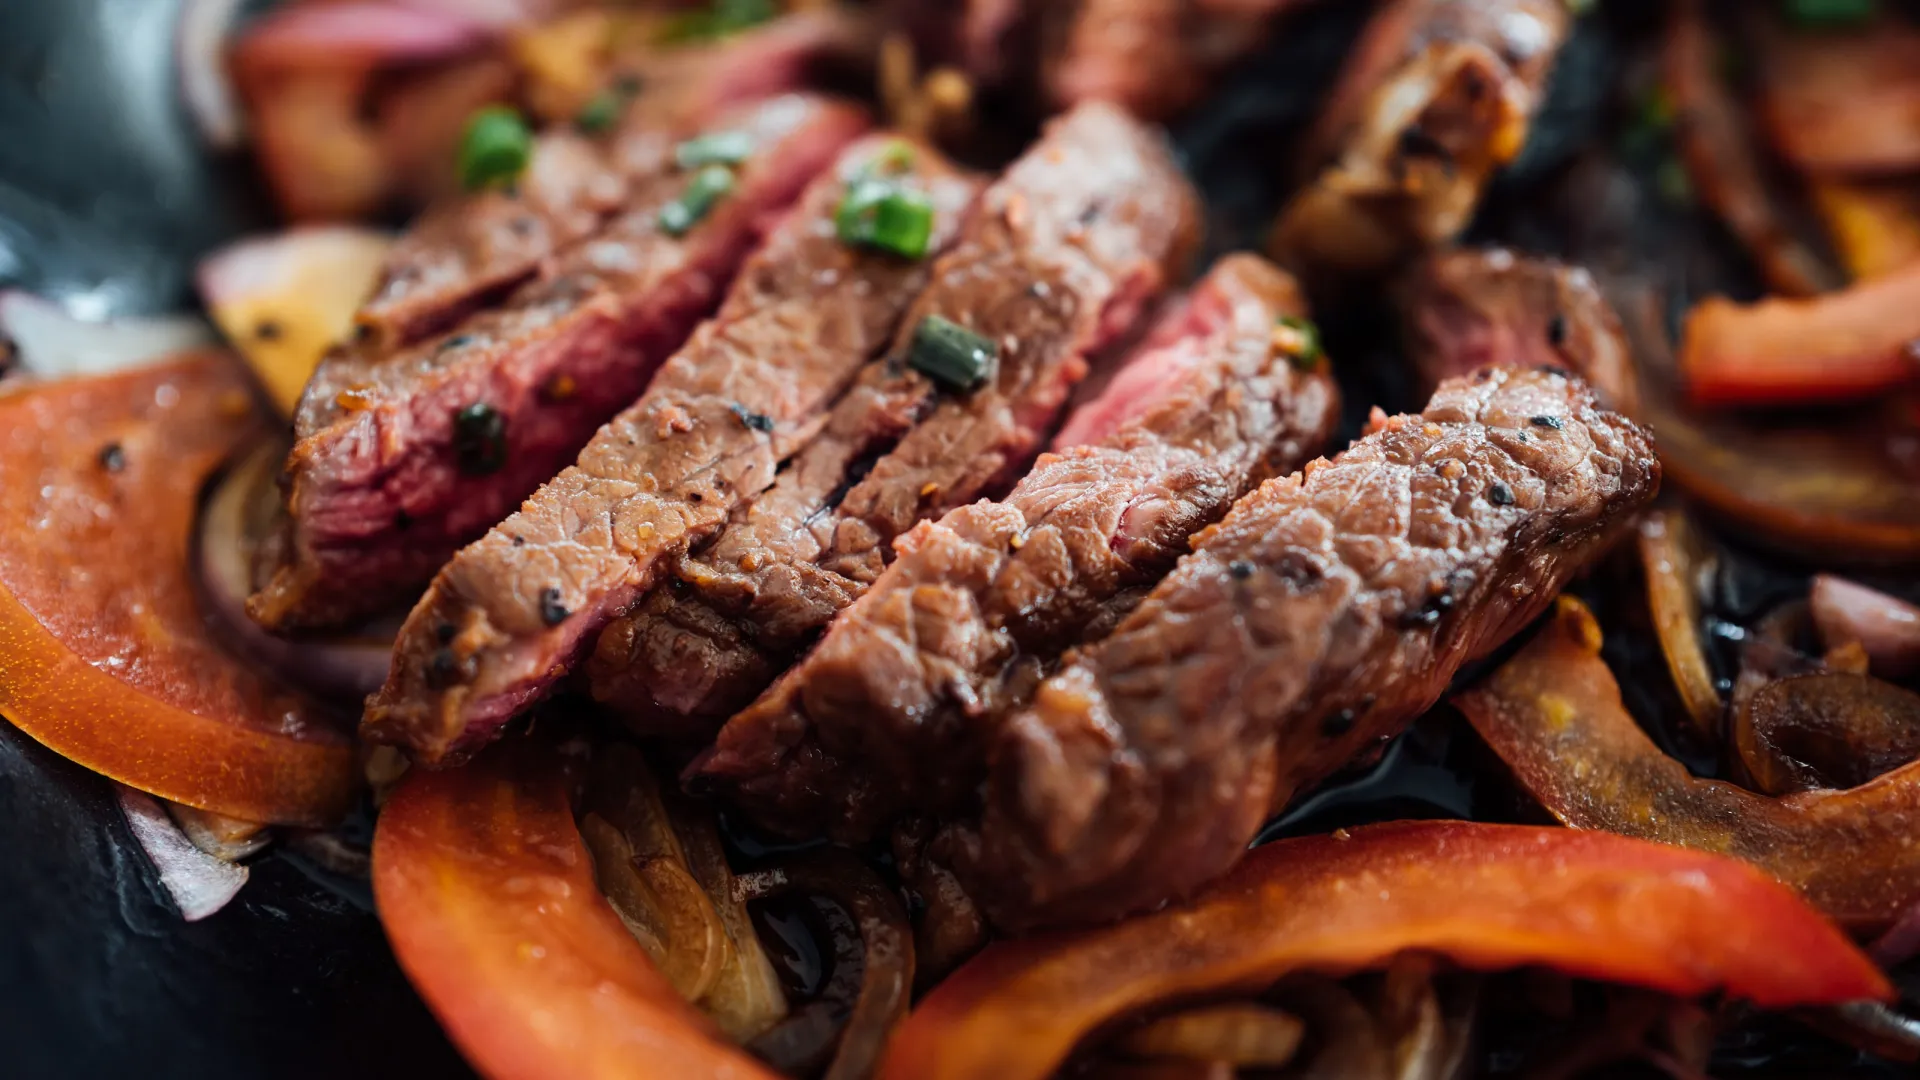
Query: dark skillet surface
x=106, y=199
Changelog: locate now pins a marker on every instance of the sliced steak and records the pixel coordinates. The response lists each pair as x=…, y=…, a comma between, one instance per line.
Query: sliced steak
x=399, y=462
x=508, y=616
x=1326, y=611
x=472, y=251
x=1436, y=97
x=1156, y=57
x=1070, y=244
x=1468, y=308
x=895, y=699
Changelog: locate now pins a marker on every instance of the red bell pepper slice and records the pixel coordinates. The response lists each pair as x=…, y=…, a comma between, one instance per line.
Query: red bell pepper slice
x=1553, y=713
x=1489, y=897
x=105, y=655
x=487, y=894
x=1851, y=344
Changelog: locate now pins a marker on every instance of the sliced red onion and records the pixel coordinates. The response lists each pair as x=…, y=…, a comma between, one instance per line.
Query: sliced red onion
x=356, y=34
x=345, y=668
x=205, y=83
x=1887, y=627
x=48, y=342
x=198, y=883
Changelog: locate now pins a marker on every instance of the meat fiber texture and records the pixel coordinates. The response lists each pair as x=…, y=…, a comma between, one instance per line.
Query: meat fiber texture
x=1327, y=610
x=892, y=711
x=509, y=615
x=1068, y=248
x=401, y=460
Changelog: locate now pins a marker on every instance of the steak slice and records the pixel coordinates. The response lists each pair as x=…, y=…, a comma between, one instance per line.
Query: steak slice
x=470, y=252
x=507, y=617
x=1327, y=610
x=1467, y=308
x=1069, y=246
x=1436, y=97
x=893, y=703
x=399, y=462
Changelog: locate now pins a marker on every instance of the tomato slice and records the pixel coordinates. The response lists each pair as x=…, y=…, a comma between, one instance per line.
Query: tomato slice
x=1553, y=713
x=1489, y=897
x=104, y=654
x=488, y=896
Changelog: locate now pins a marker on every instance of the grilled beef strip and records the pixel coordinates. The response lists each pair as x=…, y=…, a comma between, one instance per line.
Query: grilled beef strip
x=469, y=253
x=508, y=616
x=889, y=713
x=1156, y=57
x=1438, y=95
x=1321, y=615
x=1070, y=244
x=399, y=462
x=1470, y=307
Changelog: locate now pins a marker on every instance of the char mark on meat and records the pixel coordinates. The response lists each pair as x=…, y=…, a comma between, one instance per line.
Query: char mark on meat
x=807, y=311
x=1437, y=97
x=896, y=702
x=469, y=253
x=1322, y=614
x=1055, y=268
x=1472, y=308
x=399, y=462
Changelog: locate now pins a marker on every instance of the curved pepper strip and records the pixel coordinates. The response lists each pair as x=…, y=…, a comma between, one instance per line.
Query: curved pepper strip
x=488, y=897
x=105, y=655
x=1488, y=897
x=1553, y=713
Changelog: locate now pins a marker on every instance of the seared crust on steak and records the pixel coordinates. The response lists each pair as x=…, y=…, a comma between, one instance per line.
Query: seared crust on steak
x=1327, y=610
x=1081, y=233
x=509, y=615
x=897, y=700
x=386, y=481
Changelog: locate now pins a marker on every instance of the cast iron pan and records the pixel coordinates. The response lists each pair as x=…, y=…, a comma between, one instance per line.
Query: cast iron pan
x=106, y=202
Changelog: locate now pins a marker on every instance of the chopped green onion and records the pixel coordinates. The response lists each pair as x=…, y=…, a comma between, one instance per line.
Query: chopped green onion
x=1300, y=340
x=707, y=187
x=895, y=159
x=887, y=216
x=495, y=148
x=719, y=148
x=722, y=18
x=951, y=354
x=1581, y=7
x=599, y=115
x=1831, y=13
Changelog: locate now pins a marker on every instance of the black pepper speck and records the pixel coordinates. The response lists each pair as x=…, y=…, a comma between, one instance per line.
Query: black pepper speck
x=1500, y=494
x=1553, y=422
x=552, y=611
x=113, y=457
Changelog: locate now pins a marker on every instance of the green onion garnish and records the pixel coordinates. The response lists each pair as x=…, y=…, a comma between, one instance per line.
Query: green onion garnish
x=722, y=18
x=1831, y=13
x=599, y=115
x=951, y=354
x=479, y=439
x=719, y=148
x=1299, y=339
x=707, y=187
x=494, y=149
x=887, y=216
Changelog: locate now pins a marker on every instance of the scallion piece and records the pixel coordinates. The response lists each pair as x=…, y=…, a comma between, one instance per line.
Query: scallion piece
x=951, y=354
x=495, y=148
x=599, y=115
x=1299, y=339
x=708, y=186
x=719, y=148
x=1831, y=13
x=723, y=17
x=887, y=216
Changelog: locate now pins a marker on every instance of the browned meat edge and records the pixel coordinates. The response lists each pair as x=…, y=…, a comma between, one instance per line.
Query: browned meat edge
x=1156, y=57
x=387, y=481
x=1467, y=308
x=1435, y=98
x=1327, y=610
x=1081, y=232
x=891, y=711
x=508, y=616
x=470, y=252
